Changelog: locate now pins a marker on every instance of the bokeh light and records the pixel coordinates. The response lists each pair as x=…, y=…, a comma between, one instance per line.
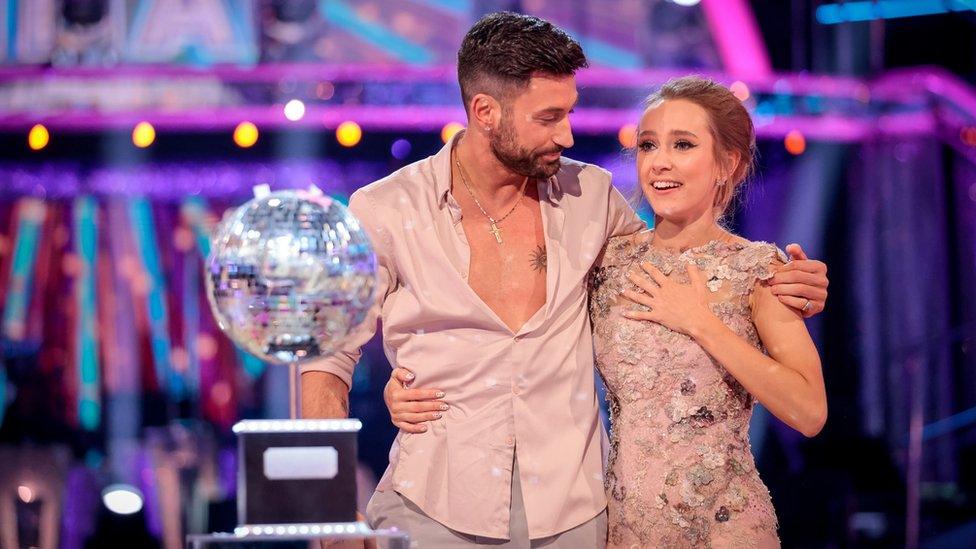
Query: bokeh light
x=349, y=134
x=449, y=130
x=246, y=134
x=38, y=138
x=143, y=135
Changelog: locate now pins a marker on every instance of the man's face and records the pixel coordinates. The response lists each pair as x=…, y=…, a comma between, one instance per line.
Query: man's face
x=534, y=128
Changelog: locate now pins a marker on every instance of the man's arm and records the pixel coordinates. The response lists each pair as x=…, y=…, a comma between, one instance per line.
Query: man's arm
x=324, y=395
x=801, y=283
x=326, y=381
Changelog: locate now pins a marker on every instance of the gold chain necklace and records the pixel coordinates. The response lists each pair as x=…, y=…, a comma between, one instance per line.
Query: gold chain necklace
x=494, y=222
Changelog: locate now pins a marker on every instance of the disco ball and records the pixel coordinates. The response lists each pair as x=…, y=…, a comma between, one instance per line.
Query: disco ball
x=290, y=274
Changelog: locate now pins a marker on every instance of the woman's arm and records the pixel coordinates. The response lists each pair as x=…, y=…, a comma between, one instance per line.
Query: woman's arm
x=788, y=382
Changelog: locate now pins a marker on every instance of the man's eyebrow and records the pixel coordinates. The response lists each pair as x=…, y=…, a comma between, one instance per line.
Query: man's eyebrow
x=557, y=110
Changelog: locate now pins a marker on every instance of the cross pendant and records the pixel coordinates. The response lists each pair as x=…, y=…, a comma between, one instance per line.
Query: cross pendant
x=496, y=231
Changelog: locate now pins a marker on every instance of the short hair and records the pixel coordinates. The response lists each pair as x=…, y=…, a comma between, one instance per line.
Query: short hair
x=503, y=50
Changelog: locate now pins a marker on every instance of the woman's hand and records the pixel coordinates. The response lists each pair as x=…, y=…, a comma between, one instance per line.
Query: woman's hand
x=680, y=307
x=410, y=409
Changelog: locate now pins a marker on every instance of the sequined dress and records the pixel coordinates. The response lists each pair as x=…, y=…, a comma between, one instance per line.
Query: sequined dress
x=681, y=471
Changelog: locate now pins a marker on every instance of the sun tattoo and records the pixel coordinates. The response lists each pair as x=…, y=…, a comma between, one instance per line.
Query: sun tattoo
x=537, y=258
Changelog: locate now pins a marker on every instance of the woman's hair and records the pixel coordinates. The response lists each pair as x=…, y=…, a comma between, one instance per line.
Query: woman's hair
x=730, y=125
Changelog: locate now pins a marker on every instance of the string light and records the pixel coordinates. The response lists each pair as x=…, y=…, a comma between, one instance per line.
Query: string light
x=349, y=134
x=628, y=136
x=795, y=143
x=449, y=130
x=38, y=138
x=143, y=135
x=246, y=134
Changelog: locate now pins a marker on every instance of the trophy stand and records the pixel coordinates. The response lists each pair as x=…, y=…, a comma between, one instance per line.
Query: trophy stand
x=294, y=390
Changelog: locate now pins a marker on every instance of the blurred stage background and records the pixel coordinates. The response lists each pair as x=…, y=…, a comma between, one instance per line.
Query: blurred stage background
x=128, y=126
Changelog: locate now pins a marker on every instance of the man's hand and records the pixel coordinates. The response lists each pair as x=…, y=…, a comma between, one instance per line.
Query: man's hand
x=410, y=409
x=801, y=283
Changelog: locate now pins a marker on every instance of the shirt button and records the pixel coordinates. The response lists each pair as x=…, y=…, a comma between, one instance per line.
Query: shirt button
x=515, y=390
x=518, y=338
x=510, y=441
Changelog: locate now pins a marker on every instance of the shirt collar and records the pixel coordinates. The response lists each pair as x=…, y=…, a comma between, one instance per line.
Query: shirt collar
x=548, y=190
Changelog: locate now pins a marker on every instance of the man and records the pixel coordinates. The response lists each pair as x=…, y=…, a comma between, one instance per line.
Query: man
x=483, y=254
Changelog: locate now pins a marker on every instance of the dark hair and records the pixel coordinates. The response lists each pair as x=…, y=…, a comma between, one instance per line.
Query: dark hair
x=503, y=50
x=730, y=124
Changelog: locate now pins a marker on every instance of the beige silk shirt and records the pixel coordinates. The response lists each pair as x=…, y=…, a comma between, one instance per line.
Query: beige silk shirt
x=529, y=393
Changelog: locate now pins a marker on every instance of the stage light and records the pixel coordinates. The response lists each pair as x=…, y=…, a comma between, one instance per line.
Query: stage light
x=968, y=135
x=25, y=493
x=324, y=90
x=245, y=134
x=868, y=10
x=122, y=499
x=294, y=110
x=449, y=130
x=400, y=149
x=143, y=135
x=740, y=90
x=795, y=143
x=688, y=3
x=628, y=136
x=348, y=134
x=38, y=138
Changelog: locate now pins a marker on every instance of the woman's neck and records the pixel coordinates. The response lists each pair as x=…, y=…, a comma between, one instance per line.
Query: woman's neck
x=685, y=234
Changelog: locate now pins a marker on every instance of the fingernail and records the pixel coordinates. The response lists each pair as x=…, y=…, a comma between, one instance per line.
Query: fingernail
x=444, y=406
x=423, y=428
x=440, y=394
x=409, y=375
x=437, y=415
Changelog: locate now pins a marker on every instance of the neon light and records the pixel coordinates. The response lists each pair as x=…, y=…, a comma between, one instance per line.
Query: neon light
x=86, y=340
x=142, y=222
x=338, y=13
x=832, y=14
x=736, y=34
x=31, y=213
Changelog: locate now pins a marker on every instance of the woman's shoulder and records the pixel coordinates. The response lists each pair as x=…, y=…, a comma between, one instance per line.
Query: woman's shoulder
x=758, y=256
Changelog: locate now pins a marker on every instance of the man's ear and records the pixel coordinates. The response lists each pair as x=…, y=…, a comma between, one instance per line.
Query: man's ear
x=486, y=112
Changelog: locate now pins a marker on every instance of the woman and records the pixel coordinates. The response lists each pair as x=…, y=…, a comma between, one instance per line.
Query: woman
x=688, y=336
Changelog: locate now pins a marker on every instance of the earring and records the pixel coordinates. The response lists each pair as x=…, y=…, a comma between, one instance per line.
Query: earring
x=720, y=182
x=487, y=128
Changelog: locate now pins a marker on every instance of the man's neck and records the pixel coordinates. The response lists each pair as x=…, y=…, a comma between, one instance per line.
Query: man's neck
x=488, y=177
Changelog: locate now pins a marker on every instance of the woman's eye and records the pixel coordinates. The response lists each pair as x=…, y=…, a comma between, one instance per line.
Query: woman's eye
x=646, y=146
x=684, y=145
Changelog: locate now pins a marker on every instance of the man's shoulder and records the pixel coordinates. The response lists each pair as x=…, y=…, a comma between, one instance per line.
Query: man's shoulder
x=407, y=182
x=577, y=168
x=581, y=179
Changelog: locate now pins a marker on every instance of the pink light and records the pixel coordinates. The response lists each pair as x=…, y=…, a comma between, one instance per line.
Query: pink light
x=737, y=37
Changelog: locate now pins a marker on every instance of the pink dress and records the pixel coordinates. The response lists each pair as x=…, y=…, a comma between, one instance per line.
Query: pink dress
x=681, y=471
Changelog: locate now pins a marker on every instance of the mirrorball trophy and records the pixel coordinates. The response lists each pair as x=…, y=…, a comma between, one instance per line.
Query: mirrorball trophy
x=289, y=276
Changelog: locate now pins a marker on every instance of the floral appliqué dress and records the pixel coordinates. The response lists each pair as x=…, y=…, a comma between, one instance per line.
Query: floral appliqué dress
x=681, y=471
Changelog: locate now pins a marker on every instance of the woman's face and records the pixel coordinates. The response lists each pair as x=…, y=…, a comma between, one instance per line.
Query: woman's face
x=676, y=163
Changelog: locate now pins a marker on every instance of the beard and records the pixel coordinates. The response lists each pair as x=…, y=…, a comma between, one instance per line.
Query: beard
x=506, y=148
